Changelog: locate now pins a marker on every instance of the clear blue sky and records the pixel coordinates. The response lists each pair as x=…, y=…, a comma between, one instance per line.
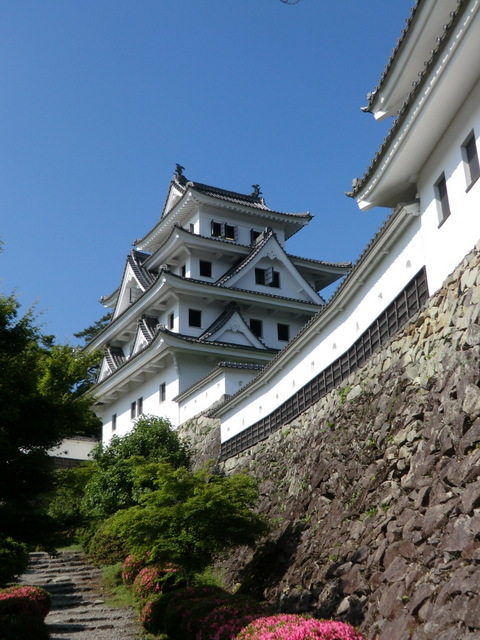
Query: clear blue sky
x=100, y=99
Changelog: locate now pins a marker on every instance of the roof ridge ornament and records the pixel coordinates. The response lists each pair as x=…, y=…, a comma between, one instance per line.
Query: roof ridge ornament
x=179, y=170
x=256, y=193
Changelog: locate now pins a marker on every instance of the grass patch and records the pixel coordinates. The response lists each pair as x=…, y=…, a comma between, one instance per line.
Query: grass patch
x=117, y=594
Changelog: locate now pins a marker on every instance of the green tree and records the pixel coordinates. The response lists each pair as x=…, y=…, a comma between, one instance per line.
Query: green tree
x=112, y=485
x=94, y=329
x=188, y=518
x=42, y=401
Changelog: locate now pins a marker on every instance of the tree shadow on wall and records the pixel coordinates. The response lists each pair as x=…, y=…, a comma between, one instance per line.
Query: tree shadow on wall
x=270, y=562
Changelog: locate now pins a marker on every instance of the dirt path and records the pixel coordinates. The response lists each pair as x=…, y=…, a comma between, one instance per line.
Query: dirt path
x=78, y=610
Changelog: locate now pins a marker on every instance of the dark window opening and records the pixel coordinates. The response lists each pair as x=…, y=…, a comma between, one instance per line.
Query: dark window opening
x=183, y=270
x=256, y=327
x=192, y=227
x=114, y=422
x=470, y=157
x=230, y=232
x=171, y=319
x=254, y=235
x=441, y=195
x=139, y=406
x=194, y=318
x=268, y=277
x=216, y=229
x=283, y=332
x=133, y=410
x=162, y=394
x=205, y=268
x=259, y=276
x=223, y=230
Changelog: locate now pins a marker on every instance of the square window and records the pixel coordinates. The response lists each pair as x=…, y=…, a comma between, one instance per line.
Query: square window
x=133, y=410
x=256, y=327
x=283, y=332
x=441, y=195
x=162, y=392
x=205, y=268
x=171, y=320
x=230, y=232
x=254, y=235
x=114, y=422
x=216, y=229
x=259, y=276
x=194, y=318
x=470, y=159
x=139, y=406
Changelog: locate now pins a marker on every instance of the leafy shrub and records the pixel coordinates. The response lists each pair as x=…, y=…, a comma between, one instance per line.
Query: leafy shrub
x=105, y=548
x=23, y=599
x=13, y=559
x=22, y=627
x=288, y=626
x=112, y=484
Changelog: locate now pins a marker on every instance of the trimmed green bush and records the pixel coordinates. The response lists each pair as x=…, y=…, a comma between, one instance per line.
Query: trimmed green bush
x=13, y=559
x=105, y=548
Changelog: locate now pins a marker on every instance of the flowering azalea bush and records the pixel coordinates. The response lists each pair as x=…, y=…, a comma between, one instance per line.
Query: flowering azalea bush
x=23, y=599
x=295, y=627
x=154, y=580
x=131, y=567
x=224, y=622
x=153, y=613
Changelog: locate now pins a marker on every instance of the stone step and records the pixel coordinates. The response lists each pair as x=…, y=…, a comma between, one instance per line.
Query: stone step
x=78, y=610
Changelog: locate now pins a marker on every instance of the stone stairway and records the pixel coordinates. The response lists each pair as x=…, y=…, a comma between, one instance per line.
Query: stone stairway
x=78, y=610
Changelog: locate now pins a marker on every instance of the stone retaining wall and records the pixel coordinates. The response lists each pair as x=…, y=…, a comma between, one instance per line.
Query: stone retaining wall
x=374, y=492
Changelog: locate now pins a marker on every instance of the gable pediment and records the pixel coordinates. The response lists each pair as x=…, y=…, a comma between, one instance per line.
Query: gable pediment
x=231, y=327
x=268, y=269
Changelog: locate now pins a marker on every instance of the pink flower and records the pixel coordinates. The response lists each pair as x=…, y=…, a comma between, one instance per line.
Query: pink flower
x=294, y=627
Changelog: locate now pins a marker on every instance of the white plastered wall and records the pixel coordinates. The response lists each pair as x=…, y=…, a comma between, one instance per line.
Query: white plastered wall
x=149, y=392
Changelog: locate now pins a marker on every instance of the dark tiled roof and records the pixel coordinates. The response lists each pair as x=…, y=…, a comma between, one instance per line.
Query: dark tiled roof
x=263, y=295
x=162, y=331
x=218, y=343
x=148, y=327
x=114, y=357
x=234, y=197
x=341, y=265
x=372, y=94
x=359, y=183
x=135, y=260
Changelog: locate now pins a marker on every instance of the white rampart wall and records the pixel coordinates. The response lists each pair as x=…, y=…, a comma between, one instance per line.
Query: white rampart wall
x=226, y=381
x=423, y=243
